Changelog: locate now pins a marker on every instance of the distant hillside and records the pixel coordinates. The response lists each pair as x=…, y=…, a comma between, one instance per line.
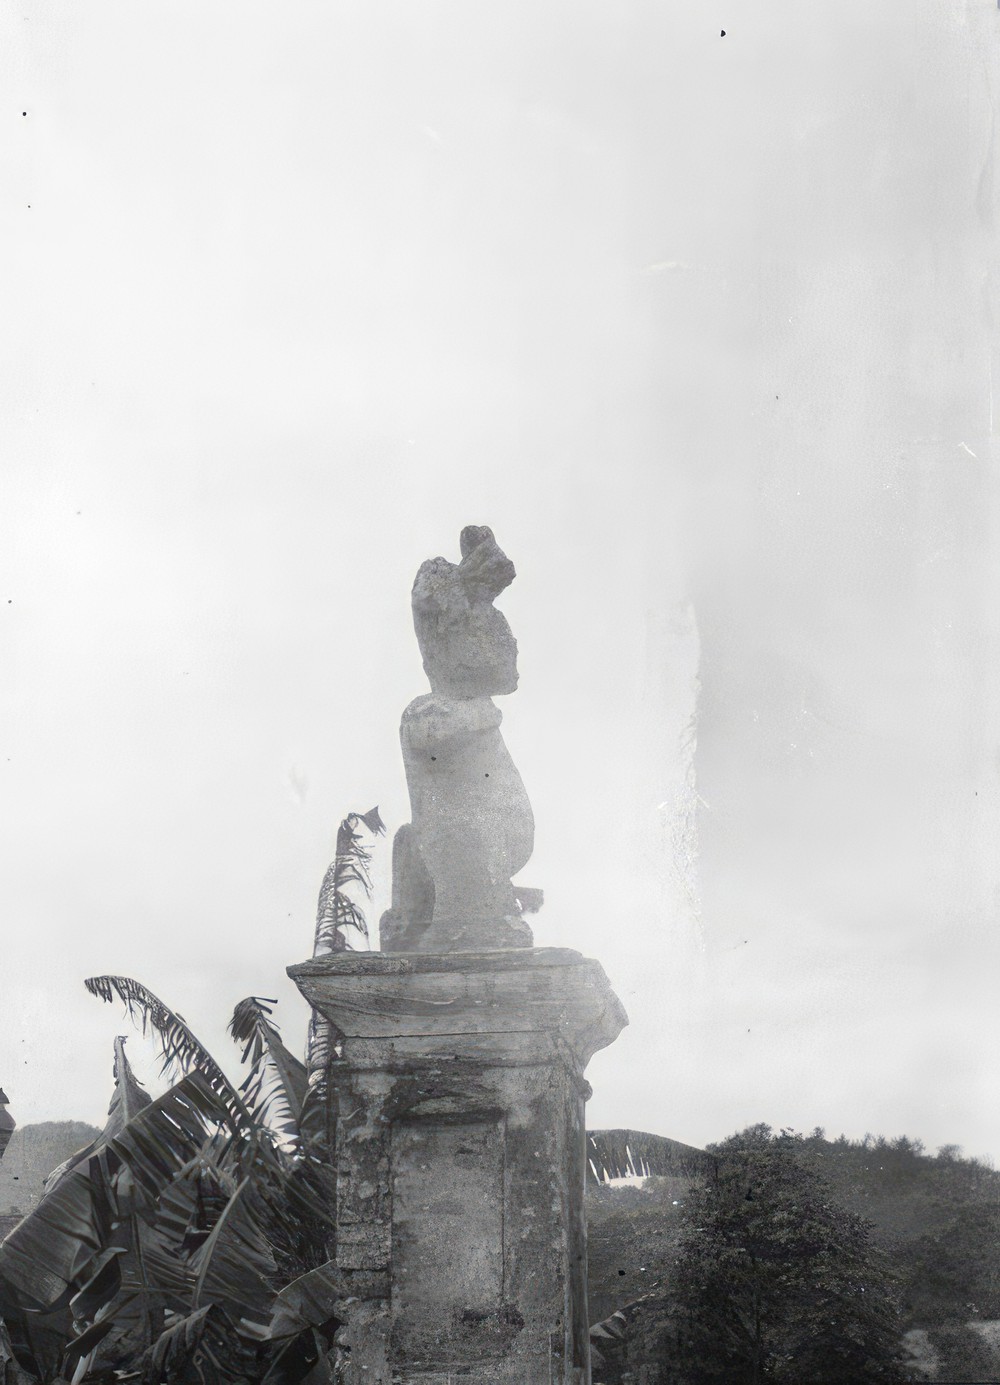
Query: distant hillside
x=637, y=1153
x=633, y=1236
x=33, y=1152
x=633, y=1230
x=936, y=1217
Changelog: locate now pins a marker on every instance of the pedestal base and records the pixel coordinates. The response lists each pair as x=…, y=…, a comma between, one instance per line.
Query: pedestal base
x=461, y=1159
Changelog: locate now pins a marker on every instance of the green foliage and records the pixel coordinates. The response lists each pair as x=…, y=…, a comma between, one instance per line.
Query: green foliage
x=935, y=1218
x=633, y=1240
x=338, y=916
x=277, y=1080
x=190, y=1241
x=162, y=1247
x=747, y=1270
x=180, y=1050
x=775, y=1281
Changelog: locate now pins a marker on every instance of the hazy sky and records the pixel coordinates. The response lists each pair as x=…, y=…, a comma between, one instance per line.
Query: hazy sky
x=702, y=326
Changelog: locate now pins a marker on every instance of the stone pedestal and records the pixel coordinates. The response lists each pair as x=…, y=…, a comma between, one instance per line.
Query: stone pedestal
x=461, y=1159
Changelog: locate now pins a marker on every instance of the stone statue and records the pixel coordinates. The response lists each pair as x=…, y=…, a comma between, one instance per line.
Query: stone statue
x=472, y=825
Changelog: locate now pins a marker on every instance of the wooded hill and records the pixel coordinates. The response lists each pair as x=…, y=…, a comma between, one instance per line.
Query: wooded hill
x=936, y=1217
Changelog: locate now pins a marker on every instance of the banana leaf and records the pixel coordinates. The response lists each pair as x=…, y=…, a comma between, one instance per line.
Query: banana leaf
x=127, y=1100
x=235, y=1266
x=180, y=1050
x=45, y=1255
x=169, y=1133
x=11, y=1372
x=45, y=1258
x=304, y=1320
x=312, y=1300
x=203, y=1348
x=277, y=1079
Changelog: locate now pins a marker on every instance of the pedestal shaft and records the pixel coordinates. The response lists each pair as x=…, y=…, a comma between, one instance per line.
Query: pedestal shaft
x=460, y=1159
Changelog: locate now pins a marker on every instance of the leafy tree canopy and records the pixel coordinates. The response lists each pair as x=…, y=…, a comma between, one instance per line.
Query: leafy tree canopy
x=777, y=1282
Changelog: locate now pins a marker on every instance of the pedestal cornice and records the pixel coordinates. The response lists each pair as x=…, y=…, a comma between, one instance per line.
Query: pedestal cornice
x=555, y=994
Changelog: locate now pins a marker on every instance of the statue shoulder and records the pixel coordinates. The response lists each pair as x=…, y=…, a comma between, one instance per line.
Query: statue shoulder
x=434, y=717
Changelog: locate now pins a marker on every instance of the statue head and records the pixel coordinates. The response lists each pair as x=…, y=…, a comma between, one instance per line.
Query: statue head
x=466, y=644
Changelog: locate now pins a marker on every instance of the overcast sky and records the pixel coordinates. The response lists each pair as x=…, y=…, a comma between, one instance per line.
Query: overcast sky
x=701, y=324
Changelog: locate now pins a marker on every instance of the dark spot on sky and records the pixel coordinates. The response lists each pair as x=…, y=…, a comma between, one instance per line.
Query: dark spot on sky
x=722, y=33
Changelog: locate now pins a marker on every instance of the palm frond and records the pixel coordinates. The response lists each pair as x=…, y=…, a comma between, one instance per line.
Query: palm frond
x=338, y=916
x=336, y=911
x=277, y=1080
x=180, y=1050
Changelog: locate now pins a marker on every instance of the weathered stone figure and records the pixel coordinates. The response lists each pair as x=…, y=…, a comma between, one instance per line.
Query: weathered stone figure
x=457, y=1080
x=472, y=824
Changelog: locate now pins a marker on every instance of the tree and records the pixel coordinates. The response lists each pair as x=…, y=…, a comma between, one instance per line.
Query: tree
x=775, y=1282
x=190, y=1242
